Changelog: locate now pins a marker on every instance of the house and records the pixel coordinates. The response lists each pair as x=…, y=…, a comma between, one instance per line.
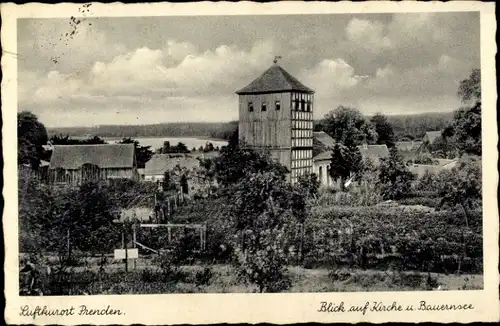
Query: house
x=178, y=165
x=442, y=164
x=428, y=140
x=141, y=172
x=374, y=152
x=160, y=163
x=408, y=146
x=322, y=155
x=276, y=115
x=74, y=164
x=431, y=136
x=408, y=149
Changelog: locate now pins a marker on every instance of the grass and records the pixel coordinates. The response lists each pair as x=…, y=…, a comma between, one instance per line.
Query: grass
x=146, y=278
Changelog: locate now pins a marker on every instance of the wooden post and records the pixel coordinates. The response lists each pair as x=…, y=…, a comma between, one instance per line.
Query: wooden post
x=125, y=245
x=201, y=239
x=68, y=241
x=169, y=235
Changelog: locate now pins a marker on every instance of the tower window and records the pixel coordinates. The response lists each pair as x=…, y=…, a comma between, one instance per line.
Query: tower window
x=303, y=105
x=296, y=105
x=278, y=105
x=250, y=107
x=308, y=106
x=264, y=106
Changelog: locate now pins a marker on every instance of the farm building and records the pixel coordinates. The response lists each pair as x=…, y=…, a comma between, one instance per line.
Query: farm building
x=160, y=163
x=374, y=152
x=442, y=164
x=74, y=164
x=178, y=165
x=408, y=148
x=428, y=140
x=276, y=115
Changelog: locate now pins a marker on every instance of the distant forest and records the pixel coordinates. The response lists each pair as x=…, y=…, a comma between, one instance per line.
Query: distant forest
x=406, y=127
x=414, y=126
x=219, y=130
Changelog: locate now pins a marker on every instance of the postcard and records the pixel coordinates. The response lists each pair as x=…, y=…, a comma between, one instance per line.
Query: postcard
x=281, y=162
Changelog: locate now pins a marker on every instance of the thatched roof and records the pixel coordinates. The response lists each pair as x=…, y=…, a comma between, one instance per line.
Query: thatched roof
x=72, y=157
x=274, y=79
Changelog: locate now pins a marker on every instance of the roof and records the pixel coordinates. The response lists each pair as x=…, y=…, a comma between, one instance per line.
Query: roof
x=326, y=155
x=443, y=164
x=274, y=79
x=408, y=145
x=72, y=157
x=374, y=152
x=324, y=138
x=204, y=155
x=432, y=135
x=160, y=163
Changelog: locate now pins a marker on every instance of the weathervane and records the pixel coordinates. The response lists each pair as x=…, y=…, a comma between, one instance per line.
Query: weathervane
x=276, y=58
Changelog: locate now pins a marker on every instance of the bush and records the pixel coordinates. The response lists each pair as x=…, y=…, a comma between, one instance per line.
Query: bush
x=204, y=277
x=424, y=201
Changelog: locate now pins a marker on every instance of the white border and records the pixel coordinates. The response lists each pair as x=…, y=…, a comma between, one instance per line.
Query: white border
x=252, y=308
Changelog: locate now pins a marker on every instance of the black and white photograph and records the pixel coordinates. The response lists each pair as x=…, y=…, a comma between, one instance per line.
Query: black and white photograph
x=250, y=153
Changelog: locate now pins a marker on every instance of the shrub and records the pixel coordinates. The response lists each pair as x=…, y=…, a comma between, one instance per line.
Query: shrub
x=204, y=277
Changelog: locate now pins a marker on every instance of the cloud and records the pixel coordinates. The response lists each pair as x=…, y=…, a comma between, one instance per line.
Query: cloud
x=175, y=78
x=330, y=77
x=112, y=67
x=367, y=34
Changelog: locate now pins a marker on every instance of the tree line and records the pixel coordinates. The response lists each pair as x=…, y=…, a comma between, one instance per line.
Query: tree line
x=219, y=130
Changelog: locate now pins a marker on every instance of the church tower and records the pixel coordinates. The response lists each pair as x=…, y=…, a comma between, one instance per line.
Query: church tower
x=276, y=115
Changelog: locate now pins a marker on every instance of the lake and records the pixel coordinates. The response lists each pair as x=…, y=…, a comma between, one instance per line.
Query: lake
x=157, y=142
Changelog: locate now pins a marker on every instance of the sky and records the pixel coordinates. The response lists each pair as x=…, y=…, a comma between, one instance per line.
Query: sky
x=94, y=71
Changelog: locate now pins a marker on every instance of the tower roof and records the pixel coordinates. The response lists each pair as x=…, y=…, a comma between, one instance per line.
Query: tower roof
x=274, y=79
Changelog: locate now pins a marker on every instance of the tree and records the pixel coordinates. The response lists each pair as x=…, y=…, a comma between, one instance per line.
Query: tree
x=235, y=162
x=462, y=185
x=383, y=129
x=209, y=147
x=308, y=184
x=31, y=136
x=394, y=177
x=166, y=147
x=142, y=153
x=425, y=158
x=465, y=127
x=90, y=219
x=470, y=88
x=345, y=125
x=345, y=162
x=444, y=146
x=264, y=206
x=67, y=140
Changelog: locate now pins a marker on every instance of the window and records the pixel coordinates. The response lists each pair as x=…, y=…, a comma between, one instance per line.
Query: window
x=264, y=106
x=296, y=105
x=308, y=106
x=277, y=105
x=302, y=105
x=250, y=107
